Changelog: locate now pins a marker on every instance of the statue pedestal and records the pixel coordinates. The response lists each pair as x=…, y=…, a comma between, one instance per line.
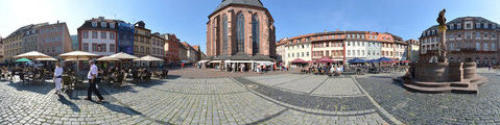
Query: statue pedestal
x=432, y=72
x=444, y=77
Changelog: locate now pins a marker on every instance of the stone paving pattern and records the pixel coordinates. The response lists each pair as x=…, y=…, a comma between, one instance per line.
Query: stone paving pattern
x=446, y=108
x=204, y=101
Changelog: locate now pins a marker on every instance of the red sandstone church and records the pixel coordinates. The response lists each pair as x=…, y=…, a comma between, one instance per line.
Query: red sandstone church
x=240, y=32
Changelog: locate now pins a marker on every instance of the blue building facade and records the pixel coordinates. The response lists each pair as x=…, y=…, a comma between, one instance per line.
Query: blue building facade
x=126, y=38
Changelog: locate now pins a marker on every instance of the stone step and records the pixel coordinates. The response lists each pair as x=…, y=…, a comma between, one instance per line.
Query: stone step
x=431, y=84
x=479, y=80
x=459, y=84
x=431, y=89
x=471, y=89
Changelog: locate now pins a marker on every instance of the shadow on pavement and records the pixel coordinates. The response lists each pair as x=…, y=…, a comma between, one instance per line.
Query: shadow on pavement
x=67, y=102
x=381, y=77
x=151, y=83
x=173, y=76
x=119, y=108
x=41, y=88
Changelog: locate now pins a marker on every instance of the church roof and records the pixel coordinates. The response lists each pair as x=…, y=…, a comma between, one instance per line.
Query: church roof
x=225, y=3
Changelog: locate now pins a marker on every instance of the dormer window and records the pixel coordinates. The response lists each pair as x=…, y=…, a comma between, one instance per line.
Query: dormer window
x=452, y=26
x=468, y=25
x=459, y=26
x=485, y=25
x=478, y=25
x=94, y=24
x=112, y=25
x=104, y=24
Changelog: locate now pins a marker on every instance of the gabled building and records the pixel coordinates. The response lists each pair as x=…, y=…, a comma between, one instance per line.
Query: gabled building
x=157, y=46
x=99, y=36
x=473, y=38
x=51, y=39
x=172, y=47
x=413, y=50
x=142, y=36
x=341, y=46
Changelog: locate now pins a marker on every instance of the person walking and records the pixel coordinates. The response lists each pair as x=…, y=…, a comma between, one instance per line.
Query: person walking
x=92, y=75
x=242, y=68
x=58, y=71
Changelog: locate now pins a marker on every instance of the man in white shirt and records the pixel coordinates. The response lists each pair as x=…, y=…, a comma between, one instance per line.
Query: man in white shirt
x=92, y=75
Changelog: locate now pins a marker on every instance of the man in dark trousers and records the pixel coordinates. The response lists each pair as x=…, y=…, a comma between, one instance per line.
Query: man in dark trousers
x=92, y=75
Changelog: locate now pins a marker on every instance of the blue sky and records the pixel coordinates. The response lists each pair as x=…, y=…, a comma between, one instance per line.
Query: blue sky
x=187, y=18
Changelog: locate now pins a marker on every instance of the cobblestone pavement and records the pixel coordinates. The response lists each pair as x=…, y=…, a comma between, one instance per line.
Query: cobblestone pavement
x=37, y=104
x=447, y=108
x=205, y=101
x=212, y=73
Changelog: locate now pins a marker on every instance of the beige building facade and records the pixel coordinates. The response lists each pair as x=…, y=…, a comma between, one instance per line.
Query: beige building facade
x=473, y=38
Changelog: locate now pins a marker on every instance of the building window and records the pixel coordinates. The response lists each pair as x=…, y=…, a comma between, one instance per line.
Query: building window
x=112, y=25
x=85, y=34
x=224, y=35
x=459, y=26
x=94, y=34
x=111, y=35
x=478, y=46
x=478, y=25
x=94, y=24
x=112, y=47
x=240, y=33
x=255, y=34
x=468, y=25
x=94, y=47
x=85, y=47
x=104, y=24
x=103, y=35
x=485, y=47
x=468, y=35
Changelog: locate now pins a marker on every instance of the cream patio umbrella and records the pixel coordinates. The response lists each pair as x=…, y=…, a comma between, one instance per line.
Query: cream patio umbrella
x=123, y=56
x=77, y=56
x=46, y=59
x=32, y=55
x=107, y=58
x=148, y=59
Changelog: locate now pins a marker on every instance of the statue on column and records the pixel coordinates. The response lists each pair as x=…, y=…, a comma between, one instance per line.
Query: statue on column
x=441, y=19
x=442, y=30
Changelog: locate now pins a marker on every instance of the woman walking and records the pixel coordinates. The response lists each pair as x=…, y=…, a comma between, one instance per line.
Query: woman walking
x=58, y=77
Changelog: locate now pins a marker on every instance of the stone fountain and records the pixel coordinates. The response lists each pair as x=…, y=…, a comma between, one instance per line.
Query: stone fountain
x=435, y=74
